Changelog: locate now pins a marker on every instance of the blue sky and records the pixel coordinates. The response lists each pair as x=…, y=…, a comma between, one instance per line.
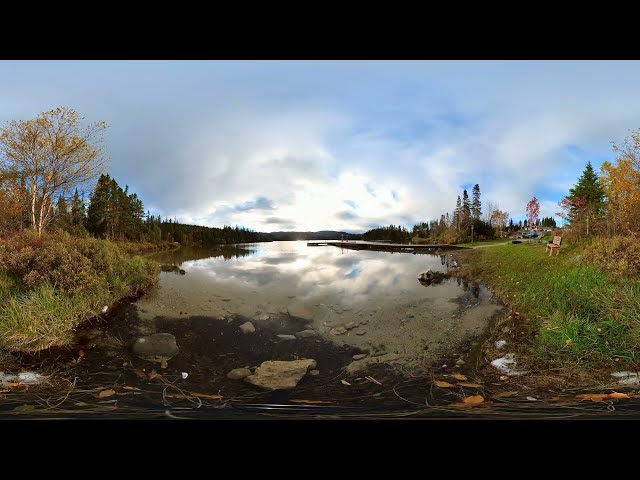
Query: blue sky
x=310, y=145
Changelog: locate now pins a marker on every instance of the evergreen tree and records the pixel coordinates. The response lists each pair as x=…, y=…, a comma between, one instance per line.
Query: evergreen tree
x=476, y=205
x=78, y=213
x=457, y=216
x=466, y=209
x=586, y=198
x=62, y=217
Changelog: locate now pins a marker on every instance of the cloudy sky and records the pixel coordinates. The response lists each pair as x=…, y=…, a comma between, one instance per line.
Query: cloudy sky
x=340, y=145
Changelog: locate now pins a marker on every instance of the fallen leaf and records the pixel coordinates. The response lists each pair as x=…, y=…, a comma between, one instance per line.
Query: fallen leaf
x=106, y=393
x=599, y=397
x=532, y=399
x=470, y=385
x=81, y=353
x=505, y=394
x=459, y=377
x=196, y=395
x=24, y=408
x=474, y=399
x=310, y=401
x=441, y=384
x=153, y=375
x=504, y=378
x=344, y=382
x=15, y=385
x=127, y=387
x=618, y=395
x=140, y=373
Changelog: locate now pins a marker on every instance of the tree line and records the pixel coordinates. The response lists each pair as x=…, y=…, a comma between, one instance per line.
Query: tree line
x=46, y=162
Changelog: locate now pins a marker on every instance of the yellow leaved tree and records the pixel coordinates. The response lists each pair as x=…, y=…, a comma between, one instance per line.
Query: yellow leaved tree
x=51, y=155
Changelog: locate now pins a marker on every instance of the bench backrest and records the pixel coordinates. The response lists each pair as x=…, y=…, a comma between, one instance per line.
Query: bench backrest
x=557, y=240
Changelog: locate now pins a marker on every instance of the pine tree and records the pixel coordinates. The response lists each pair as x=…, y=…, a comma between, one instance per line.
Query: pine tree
x=466, y=209
x=457, y=216
x=62, y=217
x=476, y=205
x=78, y=214
x=587, y=198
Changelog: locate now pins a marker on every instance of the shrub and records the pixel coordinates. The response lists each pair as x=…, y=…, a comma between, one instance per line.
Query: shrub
x=619, y=256
x=49, y=285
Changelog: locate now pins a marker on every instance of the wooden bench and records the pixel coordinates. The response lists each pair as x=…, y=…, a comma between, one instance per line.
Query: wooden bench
x=554, y=245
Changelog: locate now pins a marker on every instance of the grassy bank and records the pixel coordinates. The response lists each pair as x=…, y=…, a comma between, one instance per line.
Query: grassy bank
x=136, y=248
x=567, y=312
x=50, y=285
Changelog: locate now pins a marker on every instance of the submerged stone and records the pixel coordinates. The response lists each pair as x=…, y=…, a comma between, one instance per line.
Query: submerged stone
x=158, y=347
x=238, y=373
x=247, y=327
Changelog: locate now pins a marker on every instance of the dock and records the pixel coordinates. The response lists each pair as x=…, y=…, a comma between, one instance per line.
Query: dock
x=364, y=245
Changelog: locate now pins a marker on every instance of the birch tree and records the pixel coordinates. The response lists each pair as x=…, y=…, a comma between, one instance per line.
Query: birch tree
x=53, y=154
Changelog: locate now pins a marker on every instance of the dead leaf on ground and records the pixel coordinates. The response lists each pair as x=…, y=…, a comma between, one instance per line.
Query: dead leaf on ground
x=475, y=399
x=25, y=408
x=460, y=377
x=505, y=394
x=127, y=387
x=470, y=385
x=618, y=395
x=310, y=401
x=344, y=382
x=441, y=384
x=14, y=385
x=140, y=373
x=504, y=378
x=106, y=393
x=153, y=375
x=599, y=397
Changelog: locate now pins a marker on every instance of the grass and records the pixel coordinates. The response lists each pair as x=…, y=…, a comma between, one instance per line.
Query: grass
x=496, y=241
x=568, y=313
x=49, y=286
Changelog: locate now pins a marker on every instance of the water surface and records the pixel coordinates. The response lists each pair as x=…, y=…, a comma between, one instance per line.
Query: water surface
x=326, y=287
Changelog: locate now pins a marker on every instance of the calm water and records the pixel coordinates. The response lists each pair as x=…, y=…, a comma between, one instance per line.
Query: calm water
x=328, y=287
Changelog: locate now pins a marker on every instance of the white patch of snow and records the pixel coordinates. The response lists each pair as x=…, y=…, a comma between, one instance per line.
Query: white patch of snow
x=30, y=378
x=507, y=365
x=627, y=378
x=501, y=343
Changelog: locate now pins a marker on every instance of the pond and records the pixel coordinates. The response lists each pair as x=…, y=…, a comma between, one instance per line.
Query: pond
x=374, y=331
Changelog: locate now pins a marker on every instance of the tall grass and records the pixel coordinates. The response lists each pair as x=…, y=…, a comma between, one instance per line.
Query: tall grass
x=576, y=313
x=49, y=286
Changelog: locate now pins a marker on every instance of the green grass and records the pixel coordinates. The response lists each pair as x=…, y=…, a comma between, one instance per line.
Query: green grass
x=51, y=285
x=576, y=315
x=496, y=241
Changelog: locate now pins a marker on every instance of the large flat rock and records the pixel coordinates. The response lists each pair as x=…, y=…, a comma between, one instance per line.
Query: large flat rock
x=280, y=375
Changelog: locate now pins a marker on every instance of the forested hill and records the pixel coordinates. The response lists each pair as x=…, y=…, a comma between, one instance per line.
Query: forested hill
x=200, y=235
x=321, y=235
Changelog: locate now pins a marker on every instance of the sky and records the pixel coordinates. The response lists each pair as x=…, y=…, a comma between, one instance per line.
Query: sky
x=338, y=145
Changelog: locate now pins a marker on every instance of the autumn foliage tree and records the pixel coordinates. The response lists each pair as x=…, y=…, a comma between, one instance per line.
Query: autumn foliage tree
x=621, y=184
x=533, y=210
x=52, y=154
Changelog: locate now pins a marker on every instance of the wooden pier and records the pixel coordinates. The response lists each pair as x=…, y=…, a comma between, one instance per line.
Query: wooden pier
x=363, y=245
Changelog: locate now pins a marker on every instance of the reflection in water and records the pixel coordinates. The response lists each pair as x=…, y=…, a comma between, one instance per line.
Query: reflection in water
x=326, y=287
x=475, y=287
x=305, y=272
x=185, y=254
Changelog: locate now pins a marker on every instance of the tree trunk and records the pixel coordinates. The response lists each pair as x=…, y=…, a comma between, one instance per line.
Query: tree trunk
x=33, y=207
